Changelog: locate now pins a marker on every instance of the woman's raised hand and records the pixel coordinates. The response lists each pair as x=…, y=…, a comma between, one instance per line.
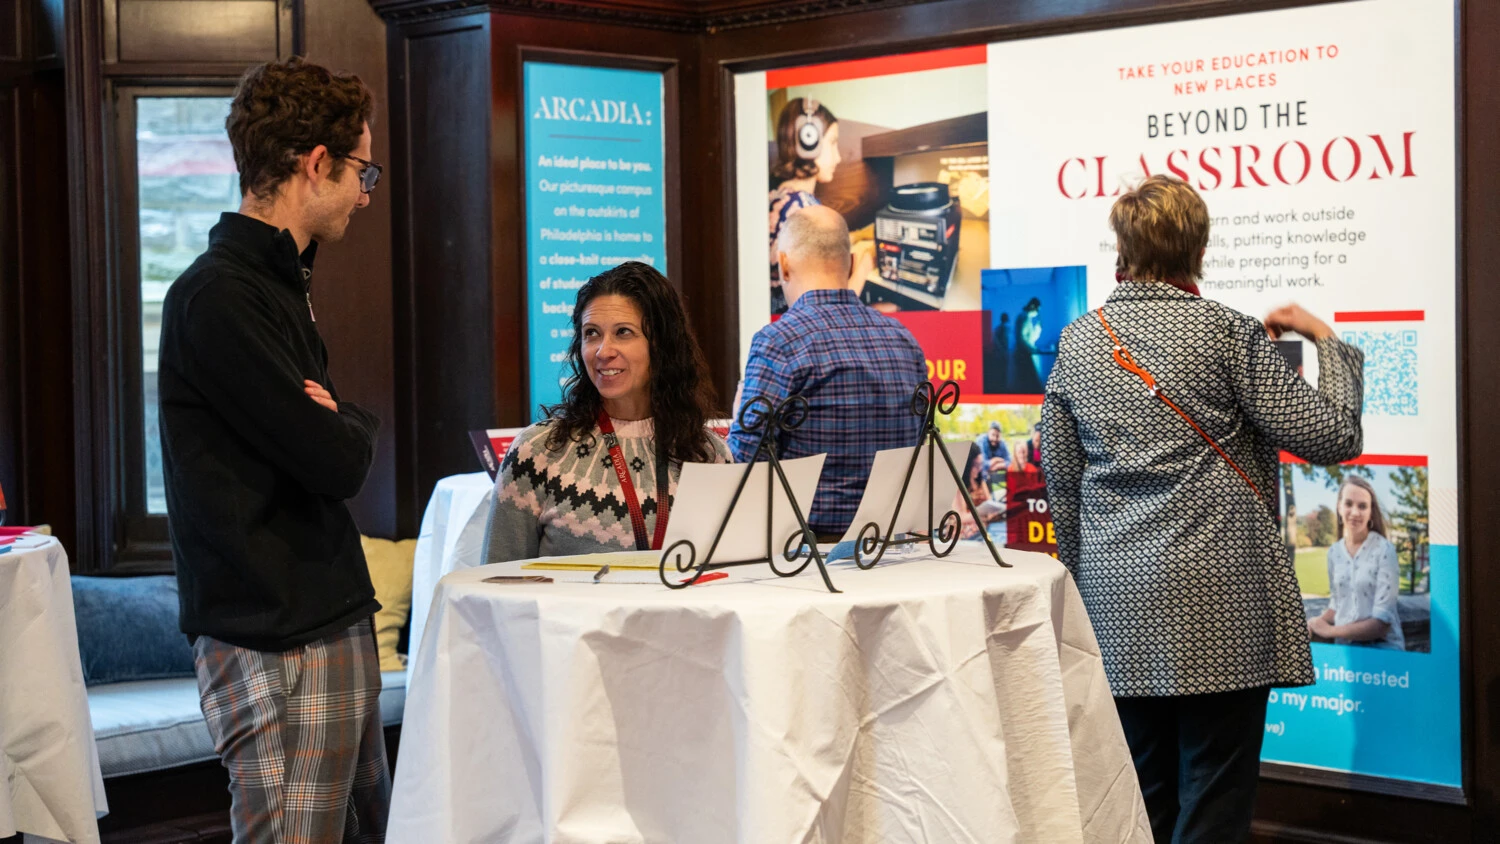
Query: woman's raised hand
x=1295, y=318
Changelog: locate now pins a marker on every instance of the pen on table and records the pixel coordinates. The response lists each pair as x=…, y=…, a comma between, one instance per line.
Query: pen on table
x=601, y=572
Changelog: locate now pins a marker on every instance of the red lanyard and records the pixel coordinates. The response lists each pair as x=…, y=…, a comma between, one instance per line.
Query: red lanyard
x=637, y=518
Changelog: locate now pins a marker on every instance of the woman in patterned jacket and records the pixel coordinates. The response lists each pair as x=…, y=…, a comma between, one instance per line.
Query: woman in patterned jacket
x=1170, y=527
x=592, y=477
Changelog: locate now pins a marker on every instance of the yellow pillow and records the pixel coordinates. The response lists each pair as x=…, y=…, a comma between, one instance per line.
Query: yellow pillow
x=390, y=570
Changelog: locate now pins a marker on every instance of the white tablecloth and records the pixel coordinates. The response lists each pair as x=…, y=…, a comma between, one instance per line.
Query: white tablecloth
x=54, y=788
x=934, y=700
x=451, y=537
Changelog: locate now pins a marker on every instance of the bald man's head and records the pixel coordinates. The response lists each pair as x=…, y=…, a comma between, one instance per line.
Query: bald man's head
x=813, y=250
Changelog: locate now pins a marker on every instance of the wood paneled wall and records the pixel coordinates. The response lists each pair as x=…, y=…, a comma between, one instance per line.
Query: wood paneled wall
x=36, y=464
x=352, y=288
x=445, y=267
x=459, y=235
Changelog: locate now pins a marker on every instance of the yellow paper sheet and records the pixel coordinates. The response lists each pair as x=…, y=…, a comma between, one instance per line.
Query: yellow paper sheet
x=621, y=561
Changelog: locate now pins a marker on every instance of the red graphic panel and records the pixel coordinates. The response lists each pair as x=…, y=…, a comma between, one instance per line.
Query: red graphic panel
x=1028, y=522
x=952, y=342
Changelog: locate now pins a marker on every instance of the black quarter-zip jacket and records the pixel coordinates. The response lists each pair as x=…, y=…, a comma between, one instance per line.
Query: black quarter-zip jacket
x=266, y=552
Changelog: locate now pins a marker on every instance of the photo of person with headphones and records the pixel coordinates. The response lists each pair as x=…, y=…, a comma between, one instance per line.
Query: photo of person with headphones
x=807, y=153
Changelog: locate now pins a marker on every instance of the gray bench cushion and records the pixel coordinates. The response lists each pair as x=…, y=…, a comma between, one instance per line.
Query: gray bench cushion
x=152, y=725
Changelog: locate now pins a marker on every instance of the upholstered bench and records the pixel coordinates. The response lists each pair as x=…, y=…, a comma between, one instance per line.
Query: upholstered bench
x=162, y=777
x=151, y=725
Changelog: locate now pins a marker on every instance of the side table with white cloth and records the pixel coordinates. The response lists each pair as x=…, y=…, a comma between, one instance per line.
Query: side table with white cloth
x=50, y=783
x=932, y=700
x=451, y=537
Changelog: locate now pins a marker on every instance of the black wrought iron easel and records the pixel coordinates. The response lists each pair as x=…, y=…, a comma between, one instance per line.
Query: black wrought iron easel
x=926, y=403
x=757, y=414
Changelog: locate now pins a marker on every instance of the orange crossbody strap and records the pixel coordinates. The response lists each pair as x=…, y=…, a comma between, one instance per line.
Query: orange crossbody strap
x=1127, y=363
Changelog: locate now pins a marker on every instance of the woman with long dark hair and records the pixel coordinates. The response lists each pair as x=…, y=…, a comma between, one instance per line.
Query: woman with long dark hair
x=598, y=474
x=977, y=480
x=1364, y=577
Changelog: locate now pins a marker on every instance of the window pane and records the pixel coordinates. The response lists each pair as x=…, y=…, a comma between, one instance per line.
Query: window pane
x=187, y=178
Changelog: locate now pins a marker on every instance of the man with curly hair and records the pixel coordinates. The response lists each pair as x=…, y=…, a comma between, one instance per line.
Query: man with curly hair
x=260, y=454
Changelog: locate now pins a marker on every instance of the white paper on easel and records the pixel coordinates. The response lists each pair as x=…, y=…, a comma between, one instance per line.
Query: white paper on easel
x=705, y=490
x=884, y=487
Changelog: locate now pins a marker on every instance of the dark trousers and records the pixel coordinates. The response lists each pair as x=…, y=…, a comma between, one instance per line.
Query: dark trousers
x=1198, y=761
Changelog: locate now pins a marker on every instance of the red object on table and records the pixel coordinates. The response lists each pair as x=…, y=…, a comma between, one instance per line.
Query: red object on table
x=14, y=531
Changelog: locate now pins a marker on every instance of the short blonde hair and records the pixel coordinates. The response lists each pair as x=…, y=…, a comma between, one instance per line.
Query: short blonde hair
x=1162, y=228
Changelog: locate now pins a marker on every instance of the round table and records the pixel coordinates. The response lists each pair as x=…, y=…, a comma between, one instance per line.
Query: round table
x=451, y=537
x=46, y=739
x=932, y=700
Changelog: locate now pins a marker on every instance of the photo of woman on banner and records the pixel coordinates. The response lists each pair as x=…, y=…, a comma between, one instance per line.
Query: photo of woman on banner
x=1028, y=454
x=1363, y=575
x=807, y=154
x=976, y=478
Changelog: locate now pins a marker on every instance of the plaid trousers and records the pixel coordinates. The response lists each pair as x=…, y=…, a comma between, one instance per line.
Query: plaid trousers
x=300, y=733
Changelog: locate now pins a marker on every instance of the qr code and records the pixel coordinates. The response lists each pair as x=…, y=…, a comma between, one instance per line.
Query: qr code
x=1390, y=370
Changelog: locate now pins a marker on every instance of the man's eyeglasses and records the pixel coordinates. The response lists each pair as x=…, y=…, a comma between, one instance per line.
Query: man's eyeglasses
x=369, y=174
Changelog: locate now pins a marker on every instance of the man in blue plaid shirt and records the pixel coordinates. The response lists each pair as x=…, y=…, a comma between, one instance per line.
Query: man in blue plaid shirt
x=857, y=368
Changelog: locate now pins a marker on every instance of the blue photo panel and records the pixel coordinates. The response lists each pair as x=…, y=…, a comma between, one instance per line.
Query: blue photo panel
x=1026, y=311
x=594, y=197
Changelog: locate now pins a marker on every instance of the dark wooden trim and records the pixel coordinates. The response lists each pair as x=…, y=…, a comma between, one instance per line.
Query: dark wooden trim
x=126, y=372
x=1302, y=812
x=939, y=24
x=589, y=58
x=88, y=178
x=142, y=542
x=36, y=463
x=1362, y=782
x=111, y=34
x=1271, y=832
x=289, y=29
x=1478, y=98
x=174, y=71
x=402, y=11
x=403, y=331
x=666, y=15
x=726, y=16
x=418, y=456
x=712, y=285
x=12, y=418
